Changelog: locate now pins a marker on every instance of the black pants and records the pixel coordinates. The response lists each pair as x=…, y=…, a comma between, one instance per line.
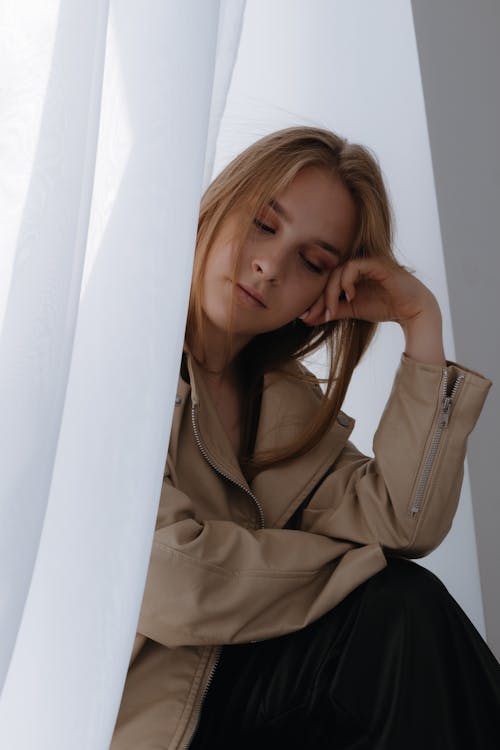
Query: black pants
x=396, y=665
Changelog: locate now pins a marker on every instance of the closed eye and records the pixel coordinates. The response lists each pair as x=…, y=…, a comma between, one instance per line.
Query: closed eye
x=311, y=266
x=269, y=230
x=263, y=227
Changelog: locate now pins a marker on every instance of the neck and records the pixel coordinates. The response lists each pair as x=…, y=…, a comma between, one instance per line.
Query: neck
x=212, y=355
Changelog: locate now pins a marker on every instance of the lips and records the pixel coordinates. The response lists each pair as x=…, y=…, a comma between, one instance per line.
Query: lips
x=253, y=293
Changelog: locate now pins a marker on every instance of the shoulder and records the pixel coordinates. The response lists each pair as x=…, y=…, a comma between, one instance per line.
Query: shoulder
x=296, y=371
x=308, y=384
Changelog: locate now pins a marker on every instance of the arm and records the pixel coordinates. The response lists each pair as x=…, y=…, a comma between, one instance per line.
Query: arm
x=406, y=496
x=214, y=581
x=424, y=338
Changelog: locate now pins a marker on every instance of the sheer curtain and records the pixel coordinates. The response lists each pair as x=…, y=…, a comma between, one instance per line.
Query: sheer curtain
x=109, y=114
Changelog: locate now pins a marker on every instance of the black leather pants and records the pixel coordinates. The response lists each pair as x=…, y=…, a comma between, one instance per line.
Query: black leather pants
x=397, y=665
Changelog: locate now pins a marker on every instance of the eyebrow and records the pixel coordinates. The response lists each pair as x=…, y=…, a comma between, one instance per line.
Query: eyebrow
x=325, y=245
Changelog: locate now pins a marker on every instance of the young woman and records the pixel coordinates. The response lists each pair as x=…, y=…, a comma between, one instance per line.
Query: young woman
x=281, y=605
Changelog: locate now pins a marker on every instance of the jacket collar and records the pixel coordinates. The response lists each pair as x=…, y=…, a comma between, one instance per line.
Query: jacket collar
x=287, y=405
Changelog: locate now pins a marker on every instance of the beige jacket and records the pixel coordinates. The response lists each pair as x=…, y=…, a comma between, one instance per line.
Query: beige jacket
x=224, y=569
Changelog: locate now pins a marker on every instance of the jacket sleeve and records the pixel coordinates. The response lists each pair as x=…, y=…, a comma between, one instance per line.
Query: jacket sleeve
x=406, y=496
x=215, y=582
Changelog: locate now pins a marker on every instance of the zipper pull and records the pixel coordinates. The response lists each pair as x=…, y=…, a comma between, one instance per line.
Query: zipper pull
x=445, y=411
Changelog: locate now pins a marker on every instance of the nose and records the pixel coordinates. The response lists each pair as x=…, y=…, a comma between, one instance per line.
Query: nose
x=268, y=264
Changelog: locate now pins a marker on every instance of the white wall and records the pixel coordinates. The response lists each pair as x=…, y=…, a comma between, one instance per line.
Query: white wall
x=353, y=67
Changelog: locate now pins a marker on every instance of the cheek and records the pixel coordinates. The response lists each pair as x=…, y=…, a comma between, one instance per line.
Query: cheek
x=222, y=260
x=297, y=298
x=216, y=257
x=218, y=270
x=308, y=292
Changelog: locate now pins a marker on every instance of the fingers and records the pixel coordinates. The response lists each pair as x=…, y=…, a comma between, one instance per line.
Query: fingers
x=365, y=288
x=337, y=297
x=351, y=274
x=317, y=311
x=317, y=314
x=327, y=306
x=340, y=291
x=335, y=294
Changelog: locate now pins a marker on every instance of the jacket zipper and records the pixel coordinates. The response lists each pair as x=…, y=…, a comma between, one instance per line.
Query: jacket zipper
x=444, y=415
x=212, y=463
x=200, y=702
x=220, y=471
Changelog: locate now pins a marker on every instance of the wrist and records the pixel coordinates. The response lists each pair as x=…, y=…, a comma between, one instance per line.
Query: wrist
x=424, y=338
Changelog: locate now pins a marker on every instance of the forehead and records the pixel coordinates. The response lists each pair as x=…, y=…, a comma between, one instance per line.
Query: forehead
x=313, y=186
x=318, y=202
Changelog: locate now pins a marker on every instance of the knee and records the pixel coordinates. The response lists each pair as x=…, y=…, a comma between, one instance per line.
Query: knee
x=407, y=587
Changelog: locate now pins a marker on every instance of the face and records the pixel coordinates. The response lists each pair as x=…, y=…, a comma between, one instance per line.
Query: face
x=295, y=245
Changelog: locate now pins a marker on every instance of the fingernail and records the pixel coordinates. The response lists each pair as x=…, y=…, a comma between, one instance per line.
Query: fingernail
x=327, y=315
x=304, y=316
x=347, y=297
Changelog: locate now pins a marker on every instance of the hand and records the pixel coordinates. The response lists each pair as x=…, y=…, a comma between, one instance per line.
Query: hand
x=376, y=290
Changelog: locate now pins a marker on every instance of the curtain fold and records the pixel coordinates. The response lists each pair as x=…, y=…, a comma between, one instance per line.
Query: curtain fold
x=228, y=38
x=98, y=260
x=43, y=251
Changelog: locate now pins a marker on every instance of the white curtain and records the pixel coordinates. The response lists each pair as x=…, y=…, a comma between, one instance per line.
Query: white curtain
x=109, y=114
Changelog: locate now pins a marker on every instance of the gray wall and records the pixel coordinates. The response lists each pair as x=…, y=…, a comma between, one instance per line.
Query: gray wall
x=460, y=64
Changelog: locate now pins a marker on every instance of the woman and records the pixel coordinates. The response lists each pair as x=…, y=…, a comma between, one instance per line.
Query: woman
x=281, y=606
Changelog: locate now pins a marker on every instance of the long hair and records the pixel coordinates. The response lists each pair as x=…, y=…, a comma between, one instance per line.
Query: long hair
x=244, y=187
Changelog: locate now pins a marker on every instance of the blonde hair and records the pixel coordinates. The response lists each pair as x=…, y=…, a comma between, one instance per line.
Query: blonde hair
x=244, y=187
